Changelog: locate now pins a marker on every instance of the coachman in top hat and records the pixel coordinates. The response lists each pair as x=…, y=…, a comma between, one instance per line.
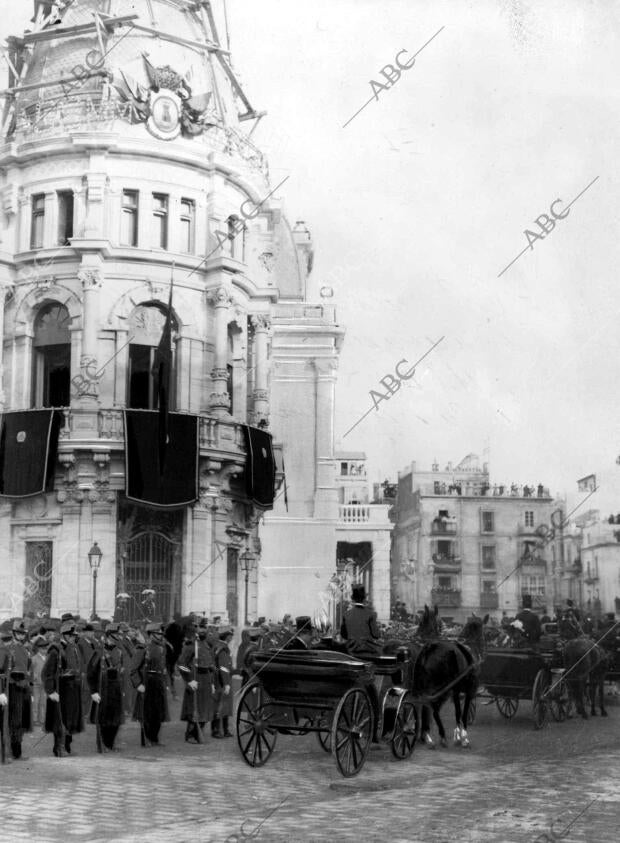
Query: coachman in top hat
x=359, y=626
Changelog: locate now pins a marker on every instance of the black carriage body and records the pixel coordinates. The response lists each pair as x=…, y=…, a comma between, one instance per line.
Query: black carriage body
x=346, y=701
x=317, y=678
x=511, y=673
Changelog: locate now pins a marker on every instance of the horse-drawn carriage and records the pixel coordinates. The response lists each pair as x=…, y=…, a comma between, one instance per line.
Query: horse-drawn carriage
x=508, y=676
x=348, y=702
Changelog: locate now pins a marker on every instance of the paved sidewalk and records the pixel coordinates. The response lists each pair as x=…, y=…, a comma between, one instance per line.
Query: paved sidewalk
x=510, y=787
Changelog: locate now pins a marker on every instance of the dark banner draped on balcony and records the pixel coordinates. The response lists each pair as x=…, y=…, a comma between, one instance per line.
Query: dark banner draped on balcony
x=178, y=486
x=260, y=467
x=28, y=446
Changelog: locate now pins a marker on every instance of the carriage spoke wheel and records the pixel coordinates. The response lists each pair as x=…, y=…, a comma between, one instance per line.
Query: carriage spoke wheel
x=540, y=705
x=325, y=735
x=507, y=706
x=405, y=728
x=352, y=731
x=255, y=734
x=471, y=714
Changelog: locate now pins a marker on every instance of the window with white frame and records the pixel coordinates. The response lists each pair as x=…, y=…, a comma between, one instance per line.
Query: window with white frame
x=529, y=518
x=187, y=218
x=488, y=521
x=38, y=219
x=159, y=231
x=129, y=218
x=65, y=217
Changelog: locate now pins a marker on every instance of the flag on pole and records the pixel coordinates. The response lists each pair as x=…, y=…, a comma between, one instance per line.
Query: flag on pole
x=587, y=484
x=162, y=372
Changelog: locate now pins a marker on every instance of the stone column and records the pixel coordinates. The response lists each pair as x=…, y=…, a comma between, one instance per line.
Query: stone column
x=3, y=292
x=326, y=496
x=90, y=279
x=261, y=324
x=219, y=402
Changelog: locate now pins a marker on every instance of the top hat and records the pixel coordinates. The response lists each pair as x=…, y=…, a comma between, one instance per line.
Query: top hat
x=303, y=623
x=67, y=617
x=358, y=593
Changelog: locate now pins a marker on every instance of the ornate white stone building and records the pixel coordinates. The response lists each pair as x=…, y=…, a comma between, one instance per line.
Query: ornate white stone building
x=125, y=161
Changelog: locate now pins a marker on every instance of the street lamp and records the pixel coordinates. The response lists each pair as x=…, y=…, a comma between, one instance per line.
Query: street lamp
x=247, y=561
x=94, y=560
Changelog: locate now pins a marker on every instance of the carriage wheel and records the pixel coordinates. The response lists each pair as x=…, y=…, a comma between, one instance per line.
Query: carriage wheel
x=325, y=735
x=255, y=736
x=507, y=706
x=405, y=728
x=352, y=731
x=471, y=714
x=539, y=701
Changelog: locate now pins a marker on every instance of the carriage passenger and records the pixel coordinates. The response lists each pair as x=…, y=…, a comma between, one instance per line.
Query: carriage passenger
x=359, y=626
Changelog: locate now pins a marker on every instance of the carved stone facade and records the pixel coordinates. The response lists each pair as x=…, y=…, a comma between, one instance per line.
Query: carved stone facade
x=96, y=234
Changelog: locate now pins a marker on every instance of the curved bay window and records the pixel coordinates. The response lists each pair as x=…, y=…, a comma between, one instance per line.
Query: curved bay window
x=146, y=325
x=51, y=377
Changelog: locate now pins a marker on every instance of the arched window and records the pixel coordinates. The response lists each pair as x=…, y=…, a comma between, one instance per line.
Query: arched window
x=146, y=325
x=51, y=356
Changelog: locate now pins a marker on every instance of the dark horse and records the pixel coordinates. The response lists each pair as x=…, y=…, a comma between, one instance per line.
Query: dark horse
x=443, y=668
x=586, y=664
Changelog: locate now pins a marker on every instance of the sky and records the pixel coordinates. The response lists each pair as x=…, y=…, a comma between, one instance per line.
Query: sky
x=422, y=199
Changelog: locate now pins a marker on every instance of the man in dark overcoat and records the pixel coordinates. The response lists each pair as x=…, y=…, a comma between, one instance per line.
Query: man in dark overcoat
x=149, y=677
x=359, y=626
x=197, y=667
x=104, y=675
x=20, y=688
x=62, y=679
x=223, y=677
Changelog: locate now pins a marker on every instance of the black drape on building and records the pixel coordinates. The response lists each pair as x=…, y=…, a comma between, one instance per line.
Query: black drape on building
x=28, y=446
x=260, y=467
x=178, y=486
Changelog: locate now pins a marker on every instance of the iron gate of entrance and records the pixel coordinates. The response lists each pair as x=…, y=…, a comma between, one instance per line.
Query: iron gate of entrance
x=149, y=562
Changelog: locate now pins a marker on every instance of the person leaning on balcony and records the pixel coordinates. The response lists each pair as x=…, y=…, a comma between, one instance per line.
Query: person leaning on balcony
x=359, y=626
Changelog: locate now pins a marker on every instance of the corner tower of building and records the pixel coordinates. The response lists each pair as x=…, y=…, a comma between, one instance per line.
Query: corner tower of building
x=126, y=163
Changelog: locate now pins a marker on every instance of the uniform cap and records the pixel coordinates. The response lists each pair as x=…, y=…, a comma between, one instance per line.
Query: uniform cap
x=67, y=617
x=226, y=630
x=19, y=626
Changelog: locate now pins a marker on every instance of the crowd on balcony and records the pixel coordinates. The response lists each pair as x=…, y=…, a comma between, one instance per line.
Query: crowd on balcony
x=486, y=490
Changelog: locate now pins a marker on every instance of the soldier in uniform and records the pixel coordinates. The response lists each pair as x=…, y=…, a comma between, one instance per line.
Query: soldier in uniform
x=196, y=666
x=149, y=678
x=62, y=680
x=86, y=644
x=223, y=677
x=105, y=683
x=19, y=684
x=359, y=626
x=129, y=643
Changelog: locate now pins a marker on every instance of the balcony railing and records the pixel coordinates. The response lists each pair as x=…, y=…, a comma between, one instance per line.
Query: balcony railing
x=363, y=513
x=489, y=600
x=443, y=528
x=448, y=598
x=213, y=434
x=446, y=563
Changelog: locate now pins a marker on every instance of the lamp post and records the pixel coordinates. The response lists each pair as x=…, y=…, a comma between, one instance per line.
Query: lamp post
x=247, y=561
x=94, y=560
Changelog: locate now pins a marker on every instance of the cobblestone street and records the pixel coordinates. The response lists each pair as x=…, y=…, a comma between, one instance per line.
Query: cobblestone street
x=512, y=786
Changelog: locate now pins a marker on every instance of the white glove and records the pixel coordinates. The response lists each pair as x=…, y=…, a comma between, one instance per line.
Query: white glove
x=140, y=689
x=226, y=690
x=95, y=698
x=193, y=684
x=54, y=697
x=3, y=699
x=212, y=689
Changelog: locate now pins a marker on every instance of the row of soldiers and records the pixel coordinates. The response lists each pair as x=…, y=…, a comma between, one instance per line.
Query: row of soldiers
x=68, y=672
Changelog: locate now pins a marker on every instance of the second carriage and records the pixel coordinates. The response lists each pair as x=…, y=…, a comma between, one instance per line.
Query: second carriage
x=509, y=676
x=346, y=701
